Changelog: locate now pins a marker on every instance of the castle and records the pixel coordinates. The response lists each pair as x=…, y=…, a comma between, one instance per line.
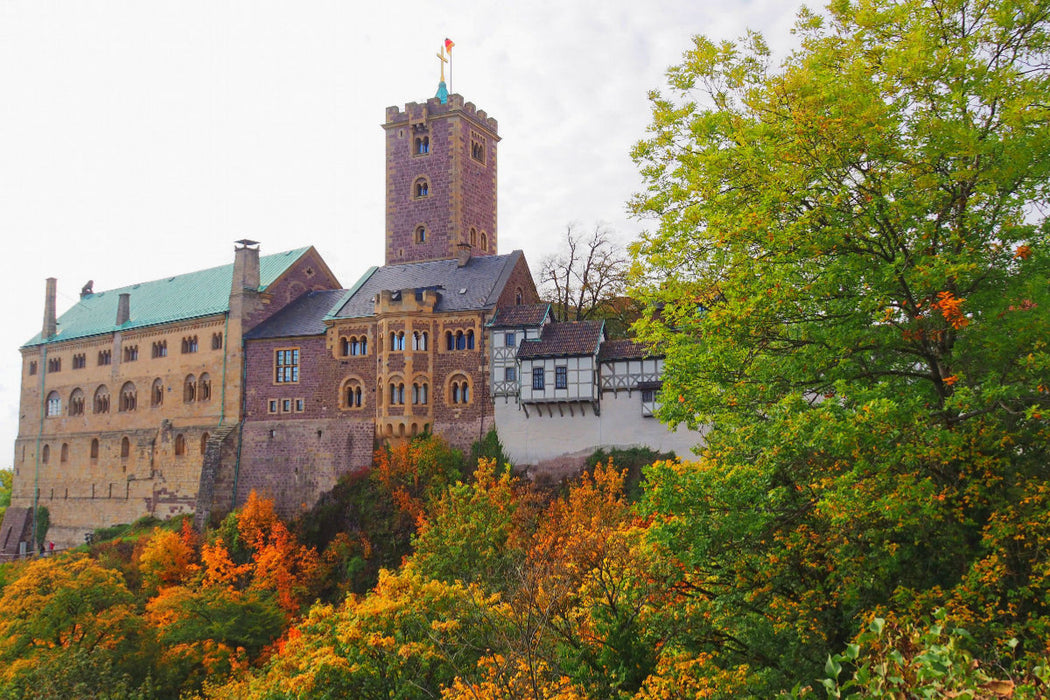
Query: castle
x=184, y=394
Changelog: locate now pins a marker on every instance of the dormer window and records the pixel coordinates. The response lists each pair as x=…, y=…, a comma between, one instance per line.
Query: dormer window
x=421, y=188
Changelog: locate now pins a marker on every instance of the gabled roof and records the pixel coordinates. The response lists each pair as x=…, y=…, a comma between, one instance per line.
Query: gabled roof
x=472, y=287
x=564, y=340
x=304, y=316
x=178, y=298
x=623, y=349
x=521, y=315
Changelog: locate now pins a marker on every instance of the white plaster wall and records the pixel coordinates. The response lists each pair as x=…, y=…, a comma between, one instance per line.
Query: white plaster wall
x=529, y=441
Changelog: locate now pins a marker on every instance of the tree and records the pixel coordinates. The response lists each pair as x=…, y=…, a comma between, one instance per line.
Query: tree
x=588, y=277
x=66, y=614
x=6, y=476
x=851, y=269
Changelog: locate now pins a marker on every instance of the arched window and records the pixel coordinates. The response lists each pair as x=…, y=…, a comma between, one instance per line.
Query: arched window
x=64, y=455
x=189, y=389
x=450, y=342
x=461, y=341
x=364, y=345
x=125, y=448
x=419, y=340
x=397, y=340
x=45, y=454
x=216, y=341
x=344, y=347
x=421, y=187
x=458, y=389
x=100, y=404
x=419, y=393
x=156, y=394
x=180, y=445
x=422, y=145
x=470, y=340
x=421, y=234
x=94, y=448
x=484, y=241
x=54, y=404
x=128, y=397
x=473, y=237
x=351, y=394
x=204, y=388
x=76, y=403
x=518, y=296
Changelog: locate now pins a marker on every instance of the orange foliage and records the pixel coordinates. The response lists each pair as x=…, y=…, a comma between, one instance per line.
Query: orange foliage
x=950, y=307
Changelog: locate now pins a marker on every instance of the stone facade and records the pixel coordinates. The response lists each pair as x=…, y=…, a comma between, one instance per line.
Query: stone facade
x=114, y=422
x=440, y=180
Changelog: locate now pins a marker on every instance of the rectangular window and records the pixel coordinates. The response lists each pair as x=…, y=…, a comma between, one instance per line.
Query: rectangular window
x=537, y=378
x=273, y=406
x=286, y=406
x=286, y=366
x=511, y=340
x=510, y=374
x=561, y=377
x=300, y=405
x=32, y=367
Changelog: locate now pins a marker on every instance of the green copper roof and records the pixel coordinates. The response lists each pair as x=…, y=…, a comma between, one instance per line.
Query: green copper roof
x=442, y=93
x=193, y=295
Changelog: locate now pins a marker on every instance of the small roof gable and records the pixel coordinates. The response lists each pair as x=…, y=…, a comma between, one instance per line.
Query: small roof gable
x=474, y=286
x=564, y=340
x=521, y=315
x=623, y=349
x=178, y=298
x=304, y=316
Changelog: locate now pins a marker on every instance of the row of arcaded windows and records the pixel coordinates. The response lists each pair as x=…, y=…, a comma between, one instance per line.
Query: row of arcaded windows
x=459, y=340
x=352, y=394
x=194, y=389
x=130, y=353
x=354, y=345
x=125, y=448
x=419, y=340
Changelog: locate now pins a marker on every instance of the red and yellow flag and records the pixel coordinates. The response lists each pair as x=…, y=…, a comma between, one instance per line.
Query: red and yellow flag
x=448, y=45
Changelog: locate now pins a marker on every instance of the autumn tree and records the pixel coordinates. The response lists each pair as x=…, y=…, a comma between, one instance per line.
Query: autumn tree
x=587, y=277
x=850, y=267
x=76, y=619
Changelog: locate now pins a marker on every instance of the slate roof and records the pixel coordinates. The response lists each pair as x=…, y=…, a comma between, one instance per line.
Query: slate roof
x=304, y=316
x=475, y=286
x=517, y=316
x=192, y=295
x=623, y=349
x=564, y=340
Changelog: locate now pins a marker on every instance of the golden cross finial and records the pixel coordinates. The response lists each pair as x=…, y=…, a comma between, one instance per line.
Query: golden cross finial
x=441, y=55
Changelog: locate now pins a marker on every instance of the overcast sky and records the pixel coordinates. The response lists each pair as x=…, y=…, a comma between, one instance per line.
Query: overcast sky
x=140, y=139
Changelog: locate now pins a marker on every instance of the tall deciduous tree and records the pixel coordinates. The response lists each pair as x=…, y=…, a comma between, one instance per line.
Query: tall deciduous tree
x=587, y=278
x=851, y=265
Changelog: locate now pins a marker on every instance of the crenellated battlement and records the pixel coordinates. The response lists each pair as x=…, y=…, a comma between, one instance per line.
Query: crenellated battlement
x=415, y=112
x=404, y=301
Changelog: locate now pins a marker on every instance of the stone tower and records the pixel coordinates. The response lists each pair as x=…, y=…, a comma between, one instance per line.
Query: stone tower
x=440, y=181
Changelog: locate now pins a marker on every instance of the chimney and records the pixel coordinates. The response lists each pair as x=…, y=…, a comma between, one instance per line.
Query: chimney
x=50, y=319
x=123, y=309
x=462, y=254
x=245, y=266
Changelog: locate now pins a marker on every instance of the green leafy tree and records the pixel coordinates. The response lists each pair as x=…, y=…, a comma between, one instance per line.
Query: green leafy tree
x=66, y=614
x=851, y=272
x=6, y=475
